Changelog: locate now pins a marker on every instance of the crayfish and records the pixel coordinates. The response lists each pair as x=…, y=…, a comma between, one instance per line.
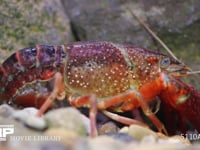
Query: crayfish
x=104, y=76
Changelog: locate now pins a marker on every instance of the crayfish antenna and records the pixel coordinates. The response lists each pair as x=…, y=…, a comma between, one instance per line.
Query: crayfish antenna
x=153, y=34
x=193, y=72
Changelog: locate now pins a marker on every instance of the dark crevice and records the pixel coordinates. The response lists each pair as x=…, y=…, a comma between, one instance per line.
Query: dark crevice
x=74, y=32
x=73, y=26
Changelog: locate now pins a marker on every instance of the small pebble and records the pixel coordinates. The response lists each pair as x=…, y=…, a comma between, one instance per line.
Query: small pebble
x=20, y=115
x=108, y=127
x=83, y=144
x=69, y=118
x=52, y=146
x=149, y=139
x=122, y=137
x=67, y=137
x=6, y=110
x=24, y=114
x=86, y=122
x=139, y=132
x=152, y=146
x=105, y=143
x=177, y=139
x=31, y=110
x=35, y=122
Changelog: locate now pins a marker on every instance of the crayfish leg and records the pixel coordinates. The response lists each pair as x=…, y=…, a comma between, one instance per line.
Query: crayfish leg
x=89, y=101
x=133, y=95
x=122, y=119
x=147, y=111
x=137, y=99
x=93, y=114
x=57, y=93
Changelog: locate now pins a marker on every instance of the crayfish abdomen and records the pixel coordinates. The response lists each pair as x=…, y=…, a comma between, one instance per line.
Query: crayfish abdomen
x=27, y=65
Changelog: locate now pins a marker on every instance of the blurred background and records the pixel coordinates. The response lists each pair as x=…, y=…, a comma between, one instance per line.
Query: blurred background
x=24, y=23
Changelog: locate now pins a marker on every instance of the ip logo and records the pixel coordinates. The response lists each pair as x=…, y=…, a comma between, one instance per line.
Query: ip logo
x=5, y=130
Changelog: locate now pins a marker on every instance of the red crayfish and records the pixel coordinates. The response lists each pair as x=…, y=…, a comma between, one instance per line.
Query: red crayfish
x=105, y=75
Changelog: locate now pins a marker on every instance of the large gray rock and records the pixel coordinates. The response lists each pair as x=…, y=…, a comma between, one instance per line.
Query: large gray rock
x=26, y=23
x=104, y=20
x=68, y=118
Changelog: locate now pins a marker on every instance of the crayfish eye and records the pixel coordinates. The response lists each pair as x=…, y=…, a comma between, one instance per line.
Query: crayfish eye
x=165, y=62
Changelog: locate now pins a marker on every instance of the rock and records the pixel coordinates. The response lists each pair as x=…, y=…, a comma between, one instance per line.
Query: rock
x=86, y=122
x=46, y=145
x=31, y=110
x=104, y=20
x=69, y=138
x=83, y=145
x=112, y=20
x=51, y=146
x=20, y=115
x=108, y=127
x=33, y=145
x=195, y=146
x=6, y=111
x=176, y=139
x=139, y=132
x=152, y=143
x=29, y=23
x=68, y=118
x=121, y=137
x=21, y=132
x=147, y=136
x=35, y=122
x=62, y=136
x=25, y=113
x=29, y=118
x=149, y=139
x=153, y=146
x=105, y=143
